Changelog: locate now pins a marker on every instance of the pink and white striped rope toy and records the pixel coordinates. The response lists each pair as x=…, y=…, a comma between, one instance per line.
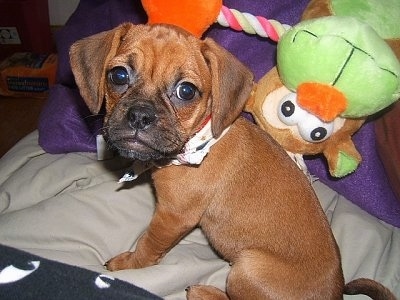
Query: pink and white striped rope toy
x=251, y=24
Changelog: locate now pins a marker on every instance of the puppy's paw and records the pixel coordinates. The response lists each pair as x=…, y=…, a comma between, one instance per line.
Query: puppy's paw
x=122, y=261
x=204, y=292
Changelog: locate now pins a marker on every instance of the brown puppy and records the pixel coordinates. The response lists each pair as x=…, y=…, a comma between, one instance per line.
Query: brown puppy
x=161, y=86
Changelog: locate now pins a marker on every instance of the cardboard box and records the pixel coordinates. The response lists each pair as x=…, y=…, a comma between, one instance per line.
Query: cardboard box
x=26, y=74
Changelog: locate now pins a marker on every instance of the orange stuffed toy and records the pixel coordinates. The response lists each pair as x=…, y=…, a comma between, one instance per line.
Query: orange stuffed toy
x=194, y=16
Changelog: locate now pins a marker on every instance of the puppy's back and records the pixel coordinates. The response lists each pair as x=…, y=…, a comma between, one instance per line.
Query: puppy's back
x=266, y=204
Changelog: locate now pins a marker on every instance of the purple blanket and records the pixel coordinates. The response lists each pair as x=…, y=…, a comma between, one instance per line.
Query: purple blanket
x=66, y=125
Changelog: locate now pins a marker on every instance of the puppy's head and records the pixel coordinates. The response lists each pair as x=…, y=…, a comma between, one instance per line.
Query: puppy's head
x=159, y=85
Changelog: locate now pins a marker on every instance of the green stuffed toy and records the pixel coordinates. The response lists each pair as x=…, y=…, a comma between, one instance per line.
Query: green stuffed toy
x=333, y=72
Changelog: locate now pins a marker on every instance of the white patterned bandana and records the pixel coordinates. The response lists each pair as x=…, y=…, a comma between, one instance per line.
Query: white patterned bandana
x=194, y=151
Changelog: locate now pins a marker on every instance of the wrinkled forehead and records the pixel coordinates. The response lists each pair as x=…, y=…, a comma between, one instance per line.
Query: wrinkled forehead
x=160, y=42
x=160, y=51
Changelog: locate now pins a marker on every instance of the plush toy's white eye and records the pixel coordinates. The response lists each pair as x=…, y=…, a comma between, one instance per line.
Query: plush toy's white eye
x=310, y=128
x=289, y=112
x=313, y=130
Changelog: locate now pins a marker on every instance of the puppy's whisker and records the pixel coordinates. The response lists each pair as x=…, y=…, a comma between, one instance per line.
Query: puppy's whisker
x=94, y=116
x=102, y=129
x=175, y=142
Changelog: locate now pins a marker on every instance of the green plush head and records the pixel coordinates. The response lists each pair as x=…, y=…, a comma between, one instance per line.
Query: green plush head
x=346, y=54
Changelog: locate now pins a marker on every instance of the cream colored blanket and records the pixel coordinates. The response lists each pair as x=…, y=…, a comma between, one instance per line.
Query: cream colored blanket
x=70, y=208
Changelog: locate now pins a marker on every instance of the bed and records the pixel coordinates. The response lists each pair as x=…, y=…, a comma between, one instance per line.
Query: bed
x=63, y=213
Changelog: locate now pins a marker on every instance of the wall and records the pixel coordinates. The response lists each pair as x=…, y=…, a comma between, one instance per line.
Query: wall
x=60, y=10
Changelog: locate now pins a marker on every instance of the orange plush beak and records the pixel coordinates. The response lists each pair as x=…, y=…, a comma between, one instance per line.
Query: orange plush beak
x=191, y=15
x=322, y=100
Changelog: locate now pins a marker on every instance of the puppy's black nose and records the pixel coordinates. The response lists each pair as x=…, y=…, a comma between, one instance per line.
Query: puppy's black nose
x=141, y=116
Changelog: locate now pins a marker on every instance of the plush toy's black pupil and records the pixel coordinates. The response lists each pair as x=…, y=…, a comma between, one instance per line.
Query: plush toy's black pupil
x=186, y=91
x=318, y=133
x=287, y=108
x=119, y=76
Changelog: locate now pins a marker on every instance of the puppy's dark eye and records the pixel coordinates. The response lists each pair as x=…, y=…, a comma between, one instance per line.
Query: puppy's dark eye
x=119, y=75
x=186, y=91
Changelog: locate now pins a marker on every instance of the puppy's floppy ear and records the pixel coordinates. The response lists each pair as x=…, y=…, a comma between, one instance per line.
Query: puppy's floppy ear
x=89, y=58
x=232, y=83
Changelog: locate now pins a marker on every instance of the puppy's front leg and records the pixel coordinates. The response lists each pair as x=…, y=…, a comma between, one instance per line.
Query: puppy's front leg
x=166, y=229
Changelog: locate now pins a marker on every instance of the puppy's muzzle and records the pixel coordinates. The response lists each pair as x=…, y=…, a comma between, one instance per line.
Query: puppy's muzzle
x=138, y=130
x=141, y=116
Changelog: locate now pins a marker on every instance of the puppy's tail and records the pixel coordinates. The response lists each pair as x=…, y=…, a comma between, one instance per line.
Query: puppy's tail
x=370, y=288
